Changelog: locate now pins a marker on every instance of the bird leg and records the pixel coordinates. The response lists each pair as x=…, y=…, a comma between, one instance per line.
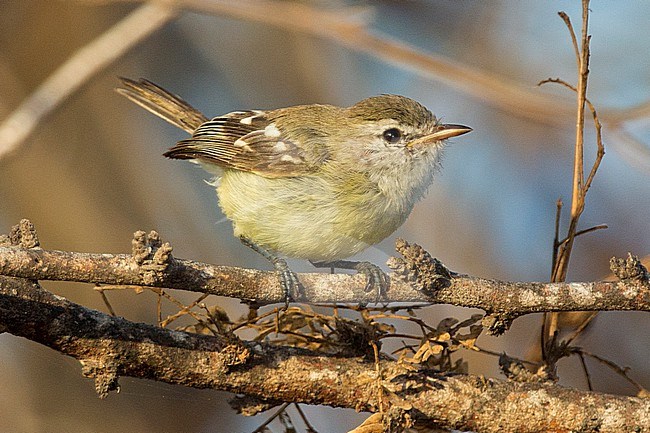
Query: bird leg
x=293, y=289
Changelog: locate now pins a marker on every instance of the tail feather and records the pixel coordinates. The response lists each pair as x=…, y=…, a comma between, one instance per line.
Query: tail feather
x=162, y=103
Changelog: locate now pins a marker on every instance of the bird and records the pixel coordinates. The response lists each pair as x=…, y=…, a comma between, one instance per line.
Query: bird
x=316, y=182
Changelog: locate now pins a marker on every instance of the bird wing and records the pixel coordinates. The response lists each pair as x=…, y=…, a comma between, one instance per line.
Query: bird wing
x=246, y=141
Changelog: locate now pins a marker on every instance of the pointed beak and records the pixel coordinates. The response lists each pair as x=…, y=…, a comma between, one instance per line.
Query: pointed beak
x=444, y=132
x=448, y=131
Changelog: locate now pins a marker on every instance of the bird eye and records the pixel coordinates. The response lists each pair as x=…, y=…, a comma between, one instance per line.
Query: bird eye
x=392, y=135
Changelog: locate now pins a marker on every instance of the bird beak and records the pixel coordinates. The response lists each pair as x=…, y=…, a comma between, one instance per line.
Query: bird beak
x=448, y=131
x=443, y=132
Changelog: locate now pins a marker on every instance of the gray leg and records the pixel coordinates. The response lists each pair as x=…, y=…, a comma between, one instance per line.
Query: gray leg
x=291, y=286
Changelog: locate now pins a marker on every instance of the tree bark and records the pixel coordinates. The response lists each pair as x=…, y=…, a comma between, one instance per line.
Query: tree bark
x=263, y=287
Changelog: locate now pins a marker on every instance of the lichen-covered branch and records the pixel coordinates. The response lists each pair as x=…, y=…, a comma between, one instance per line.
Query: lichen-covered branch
x=109, y=347
x=512, y=298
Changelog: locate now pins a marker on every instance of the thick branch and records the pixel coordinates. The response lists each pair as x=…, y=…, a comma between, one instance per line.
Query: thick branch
x=109, y=347
x=513, y=298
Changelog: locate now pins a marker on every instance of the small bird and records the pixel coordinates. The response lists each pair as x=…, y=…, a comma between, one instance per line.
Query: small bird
x=315, y=182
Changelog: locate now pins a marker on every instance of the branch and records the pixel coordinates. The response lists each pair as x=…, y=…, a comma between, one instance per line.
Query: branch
x=110, y=347
x=156, y=269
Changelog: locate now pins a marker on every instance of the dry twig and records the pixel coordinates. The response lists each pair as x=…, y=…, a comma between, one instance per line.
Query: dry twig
x=562, y=249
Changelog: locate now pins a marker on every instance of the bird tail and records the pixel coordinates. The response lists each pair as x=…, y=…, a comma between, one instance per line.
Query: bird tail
x=162, y=103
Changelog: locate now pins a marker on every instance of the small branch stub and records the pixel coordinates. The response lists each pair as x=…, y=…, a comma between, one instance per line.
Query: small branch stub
x=106, y=377
x=151, y=255
x=22, y=235
x=498, y=323
x=629, y=268
x=417, y=266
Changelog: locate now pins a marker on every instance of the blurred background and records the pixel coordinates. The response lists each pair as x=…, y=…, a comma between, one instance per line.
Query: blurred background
x=91, y=172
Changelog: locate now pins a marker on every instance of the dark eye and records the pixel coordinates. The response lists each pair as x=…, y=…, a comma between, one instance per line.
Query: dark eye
x=392, y=135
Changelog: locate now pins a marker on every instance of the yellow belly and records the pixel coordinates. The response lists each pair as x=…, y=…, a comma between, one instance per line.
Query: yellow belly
x=304, y=217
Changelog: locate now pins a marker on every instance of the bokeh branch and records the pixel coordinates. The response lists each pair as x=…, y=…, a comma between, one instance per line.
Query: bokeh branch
x=350, y=27
x=84, y=64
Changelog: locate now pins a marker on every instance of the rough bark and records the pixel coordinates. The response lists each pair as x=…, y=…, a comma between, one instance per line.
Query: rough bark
x=511, y=298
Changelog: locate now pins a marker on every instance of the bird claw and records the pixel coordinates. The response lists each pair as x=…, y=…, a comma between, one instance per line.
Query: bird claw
x=378, y=280
x=291, y=285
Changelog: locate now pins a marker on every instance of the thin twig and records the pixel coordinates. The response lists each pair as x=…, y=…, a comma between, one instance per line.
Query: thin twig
x=478, y=349
x=580, y=329
x=161, y=293
x=600, y=153
x=556, y=235
x=274, y=416
x=380, y=388
x=584, y=231
x=621, y=371
x=423, y=325
x=548, y=319
x=308, y=426
x=217, y=327
x=185, y=310
x=572, y=32
x=581, y=356
x=159, y=307
x=251, y=320
x=111, y=311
